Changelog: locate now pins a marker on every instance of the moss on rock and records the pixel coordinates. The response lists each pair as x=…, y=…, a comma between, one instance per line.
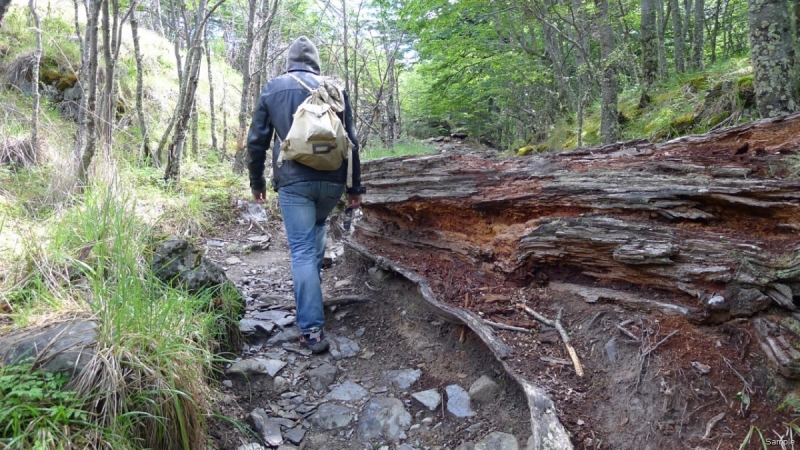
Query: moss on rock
x=698, y=83
x=528, y=149
x=683, y=124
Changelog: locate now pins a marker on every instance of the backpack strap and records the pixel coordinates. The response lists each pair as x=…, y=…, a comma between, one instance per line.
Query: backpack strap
x=300, y=82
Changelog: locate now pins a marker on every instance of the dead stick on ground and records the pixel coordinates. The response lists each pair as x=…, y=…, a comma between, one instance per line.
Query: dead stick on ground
x=503, y=326
x=561, y=331
x=645, y=354
x=255, y=222
x=625, y=331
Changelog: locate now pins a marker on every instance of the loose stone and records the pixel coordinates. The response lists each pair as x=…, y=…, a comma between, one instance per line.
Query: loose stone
x=384, y=418
x=458, y=402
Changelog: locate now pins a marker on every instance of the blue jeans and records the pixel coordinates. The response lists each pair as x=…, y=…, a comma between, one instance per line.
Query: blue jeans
x=305, y=207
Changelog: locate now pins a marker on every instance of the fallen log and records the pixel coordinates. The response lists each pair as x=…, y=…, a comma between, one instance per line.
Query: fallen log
x=711, y=219
x=698, y=231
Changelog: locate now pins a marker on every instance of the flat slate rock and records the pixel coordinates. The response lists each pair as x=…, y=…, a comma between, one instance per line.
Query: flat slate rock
x=269, y=430
x=431, y=398
x=384, y=418
x=271, y=315
x=458, y=402
x=274, y=366
x=347, y=392
x=295, y=435
x=69, y=346
x=321, y=377
x=403, y=379
x=247, y=367
x=331, y=417
x=343, y=348
x=498, y=441
x=290, y=335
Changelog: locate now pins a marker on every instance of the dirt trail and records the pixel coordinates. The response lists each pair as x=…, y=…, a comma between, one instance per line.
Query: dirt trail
x=393, y=334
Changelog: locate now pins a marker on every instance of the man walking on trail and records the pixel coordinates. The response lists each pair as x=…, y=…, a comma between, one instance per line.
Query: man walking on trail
x=306, y=195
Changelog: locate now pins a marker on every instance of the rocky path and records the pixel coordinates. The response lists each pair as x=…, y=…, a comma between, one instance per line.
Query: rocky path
x=397, y=376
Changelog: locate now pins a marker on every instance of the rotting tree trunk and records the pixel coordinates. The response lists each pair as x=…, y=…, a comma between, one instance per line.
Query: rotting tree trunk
x=697, y=237
x=708, y=222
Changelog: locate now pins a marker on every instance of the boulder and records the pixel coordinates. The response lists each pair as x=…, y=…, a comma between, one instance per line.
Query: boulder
x=65, y=347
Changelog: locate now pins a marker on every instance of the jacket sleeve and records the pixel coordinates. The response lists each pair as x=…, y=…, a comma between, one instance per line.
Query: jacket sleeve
x=356, y=189
x=258, y=142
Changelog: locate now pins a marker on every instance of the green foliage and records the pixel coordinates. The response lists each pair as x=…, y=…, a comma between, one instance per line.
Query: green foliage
x=37, y=411
x=401, y=148
x=749, y=437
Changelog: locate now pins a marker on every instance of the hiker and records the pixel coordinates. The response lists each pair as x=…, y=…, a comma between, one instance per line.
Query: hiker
x=306, y=195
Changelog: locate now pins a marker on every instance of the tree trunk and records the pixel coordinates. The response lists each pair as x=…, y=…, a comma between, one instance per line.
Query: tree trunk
x=4, y=5
x=699, y=217
x=609, y=114
x=211, y=111
x=224, y=150
x=698, y=44
x=677, y=31
x=137, y=53
x=239, y=162
x=158, y=26
x=87, y=155
x=663, y=69
x=194, y=129
x=346, y=51
x=83, y=83
x=37, y=58
x=391, y=118
x=649, y=43
x=715, y=32
x=173, y=16
x=183, y=110
x=772, y=53
x=105, y=125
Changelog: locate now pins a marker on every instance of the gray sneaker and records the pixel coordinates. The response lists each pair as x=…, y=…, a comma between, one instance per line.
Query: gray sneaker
x=314, y=341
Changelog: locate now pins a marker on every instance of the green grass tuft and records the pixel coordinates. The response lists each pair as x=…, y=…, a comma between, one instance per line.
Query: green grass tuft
x=401, y=148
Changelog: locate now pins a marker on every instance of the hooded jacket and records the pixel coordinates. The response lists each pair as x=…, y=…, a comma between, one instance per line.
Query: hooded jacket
x=274, y=115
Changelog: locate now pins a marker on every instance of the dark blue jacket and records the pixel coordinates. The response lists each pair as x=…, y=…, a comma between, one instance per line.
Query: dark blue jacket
x=271, y=121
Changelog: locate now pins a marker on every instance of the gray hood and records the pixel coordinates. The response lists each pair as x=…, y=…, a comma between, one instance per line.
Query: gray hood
x=303, y=55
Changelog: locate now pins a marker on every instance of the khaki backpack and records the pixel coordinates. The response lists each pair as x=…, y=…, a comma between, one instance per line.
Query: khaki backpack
x=317, y=138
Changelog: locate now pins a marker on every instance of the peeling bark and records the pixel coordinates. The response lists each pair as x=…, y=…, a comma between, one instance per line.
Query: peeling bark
x=711, y=221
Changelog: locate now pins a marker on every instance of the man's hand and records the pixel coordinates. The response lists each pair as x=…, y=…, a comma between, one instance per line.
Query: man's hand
x=353, y=201
x=259, y=195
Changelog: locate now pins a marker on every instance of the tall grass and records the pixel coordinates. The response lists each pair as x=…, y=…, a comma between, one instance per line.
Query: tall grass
x=146, y=384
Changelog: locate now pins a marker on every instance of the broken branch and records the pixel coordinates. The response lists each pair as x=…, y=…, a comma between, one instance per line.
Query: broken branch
x=652, y=349
x=561, y=331
x=503, y=326
x=627, y=333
